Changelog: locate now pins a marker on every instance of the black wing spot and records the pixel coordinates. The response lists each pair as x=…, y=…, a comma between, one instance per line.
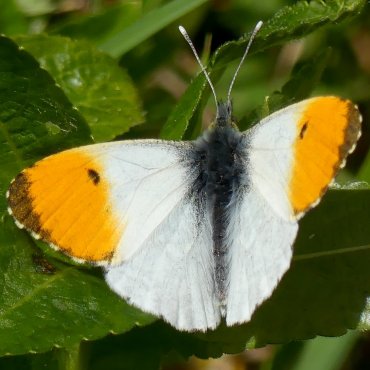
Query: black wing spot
x=303, y=130
x=94, y=176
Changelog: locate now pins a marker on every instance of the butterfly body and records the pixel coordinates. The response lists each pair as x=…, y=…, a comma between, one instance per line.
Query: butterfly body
x=220, y=152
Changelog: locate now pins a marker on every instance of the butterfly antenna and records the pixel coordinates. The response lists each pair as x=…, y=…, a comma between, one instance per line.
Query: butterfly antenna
x=254, y=33
x=188, y=40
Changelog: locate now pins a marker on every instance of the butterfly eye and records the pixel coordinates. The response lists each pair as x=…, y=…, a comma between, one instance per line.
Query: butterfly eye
x=229, y=108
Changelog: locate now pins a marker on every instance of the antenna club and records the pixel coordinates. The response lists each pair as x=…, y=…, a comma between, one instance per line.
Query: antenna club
x=253, y=35
x=182, y=30
x=188, y=40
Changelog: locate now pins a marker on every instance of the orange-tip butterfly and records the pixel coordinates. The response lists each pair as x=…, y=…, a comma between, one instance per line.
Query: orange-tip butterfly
x=191, y=231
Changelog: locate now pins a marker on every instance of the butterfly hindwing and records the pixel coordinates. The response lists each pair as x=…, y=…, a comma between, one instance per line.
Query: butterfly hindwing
x=171, y=275
x=260, y=248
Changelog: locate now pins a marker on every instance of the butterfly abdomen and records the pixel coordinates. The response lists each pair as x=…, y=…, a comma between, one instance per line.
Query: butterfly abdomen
x=220, y=148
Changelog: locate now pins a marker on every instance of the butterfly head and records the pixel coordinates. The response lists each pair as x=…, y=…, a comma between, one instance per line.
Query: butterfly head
x=224, y=115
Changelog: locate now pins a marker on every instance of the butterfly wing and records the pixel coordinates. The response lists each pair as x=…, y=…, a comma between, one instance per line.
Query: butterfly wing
x=171, y=275
x=292, y=156
x=132, y=207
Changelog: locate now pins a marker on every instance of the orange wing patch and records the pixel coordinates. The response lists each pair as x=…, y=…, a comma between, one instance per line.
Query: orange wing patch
x=327, y=133
x=64, y=200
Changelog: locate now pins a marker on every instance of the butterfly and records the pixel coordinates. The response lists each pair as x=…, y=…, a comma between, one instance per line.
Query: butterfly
x=191, y=231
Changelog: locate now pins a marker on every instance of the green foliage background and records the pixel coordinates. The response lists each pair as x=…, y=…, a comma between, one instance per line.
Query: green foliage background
x=74, y=77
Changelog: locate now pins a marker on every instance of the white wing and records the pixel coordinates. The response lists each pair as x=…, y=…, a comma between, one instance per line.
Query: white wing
x=134, y=208
x=262, y=225
x=164, y=262
x=291, y=157
x=171, y=275
x=260, y=243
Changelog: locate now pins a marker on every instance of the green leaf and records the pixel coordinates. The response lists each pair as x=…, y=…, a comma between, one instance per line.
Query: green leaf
x=289, y=23
x=325, y=292
x=326, y=289
x=30, y=362
x=141, y=348
x=146, y=26
x=101, y=90
x=12, y=21
x=364, y=173
x=298, y=87
x=37, y=7
x=177, y=123
x=101, y=26
x=44, y=304
x=36, y=118
x=325, y=353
